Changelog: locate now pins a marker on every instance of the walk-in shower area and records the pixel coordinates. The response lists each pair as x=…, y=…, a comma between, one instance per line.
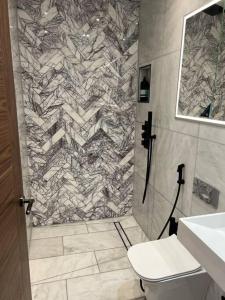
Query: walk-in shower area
x=79, y=86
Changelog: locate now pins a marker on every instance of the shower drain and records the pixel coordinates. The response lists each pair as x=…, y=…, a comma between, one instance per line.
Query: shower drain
x=127, y=243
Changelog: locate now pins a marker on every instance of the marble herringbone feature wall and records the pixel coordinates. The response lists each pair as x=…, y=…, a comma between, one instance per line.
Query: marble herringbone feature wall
x=79, y=66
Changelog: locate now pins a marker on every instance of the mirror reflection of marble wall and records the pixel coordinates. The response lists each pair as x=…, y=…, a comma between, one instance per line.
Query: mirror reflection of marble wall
x=202, y=76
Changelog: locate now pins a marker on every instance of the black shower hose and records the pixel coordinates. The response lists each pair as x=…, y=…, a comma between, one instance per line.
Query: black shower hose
x=172, y=211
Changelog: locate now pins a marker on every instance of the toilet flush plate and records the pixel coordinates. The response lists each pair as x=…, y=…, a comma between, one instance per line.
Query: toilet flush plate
x=204, y=237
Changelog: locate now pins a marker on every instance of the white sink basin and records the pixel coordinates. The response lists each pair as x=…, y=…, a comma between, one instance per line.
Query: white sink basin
x=204, y=237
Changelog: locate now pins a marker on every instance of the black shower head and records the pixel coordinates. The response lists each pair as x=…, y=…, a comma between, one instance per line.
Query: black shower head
x=214, y=10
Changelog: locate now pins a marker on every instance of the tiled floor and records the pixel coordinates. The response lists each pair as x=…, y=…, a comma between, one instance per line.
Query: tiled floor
x=85, y=261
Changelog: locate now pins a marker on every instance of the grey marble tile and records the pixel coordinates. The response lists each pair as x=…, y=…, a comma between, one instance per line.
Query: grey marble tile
x=112, y=259
x=91, y=241
x=62, y=267
x=128, y=222
x=136, y=235
x=210, y=168
x=122, y=284
x=161, y=212
x=50, y=291
x=46, y=248
x=212, y=133
x=140, y=153
x=152, y=27
x=173, y=149
x=100, y=227
x=44, y=232
x=140, y=210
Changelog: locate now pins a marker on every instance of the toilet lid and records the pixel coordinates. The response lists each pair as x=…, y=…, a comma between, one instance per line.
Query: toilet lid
x=162, y=260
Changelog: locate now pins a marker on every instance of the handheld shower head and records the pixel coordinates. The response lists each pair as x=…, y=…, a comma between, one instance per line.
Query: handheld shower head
x=180, y=174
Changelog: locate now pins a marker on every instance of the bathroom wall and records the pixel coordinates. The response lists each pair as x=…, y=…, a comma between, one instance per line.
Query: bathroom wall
x=12, y=4
x=200, y=147
x=79, y=62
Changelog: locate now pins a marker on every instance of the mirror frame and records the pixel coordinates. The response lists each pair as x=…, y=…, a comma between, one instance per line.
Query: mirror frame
x=179, y=116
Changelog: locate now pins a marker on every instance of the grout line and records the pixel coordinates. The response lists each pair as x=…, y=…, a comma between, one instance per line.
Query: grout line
x=55, y=236
x=97, y=262
x=85, y=233
x=77, y=253
x=66, y=291
x=55, y=256
x=63, y=246
x=46, y=280
x=128, y=268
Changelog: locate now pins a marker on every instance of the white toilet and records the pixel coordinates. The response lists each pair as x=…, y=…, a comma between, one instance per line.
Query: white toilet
x=168, y=271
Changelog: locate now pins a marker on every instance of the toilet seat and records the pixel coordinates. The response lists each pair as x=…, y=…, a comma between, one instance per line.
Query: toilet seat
x=162, y=260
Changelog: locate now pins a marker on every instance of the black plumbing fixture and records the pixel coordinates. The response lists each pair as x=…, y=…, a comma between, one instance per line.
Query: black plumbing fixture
x=180, y=182
x=214, y=10
x=147, y=142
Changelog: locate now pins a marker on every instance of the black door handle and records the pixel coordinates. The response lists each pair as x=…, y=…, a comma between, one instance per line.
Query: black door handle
x=30, y=203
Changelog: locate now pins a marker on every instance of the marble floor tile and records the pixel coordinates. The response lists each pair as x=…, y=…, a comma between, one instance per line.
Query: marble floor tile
x=96, y=227
x=108, y=224
x=128, y=222
x=107, y=220
x=112, y=259
x=57, y=230
x=46, y=248
x=116, y=285
x=91, y=241
x=136, y=235
x=63, y=267
x=50, y=291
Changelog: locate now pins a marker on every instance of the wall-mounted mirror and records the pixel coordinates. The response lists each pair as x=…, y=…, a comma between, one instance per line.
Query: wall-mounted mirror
x=201, y=86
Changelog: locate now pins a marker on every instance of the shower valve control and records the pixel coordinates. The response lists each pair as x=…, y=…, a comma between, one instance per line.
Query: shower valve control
x=147, y=132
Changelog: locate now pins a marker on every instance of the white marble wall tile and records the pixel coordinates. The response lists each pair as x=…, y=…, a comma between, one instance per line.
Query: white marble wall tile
x=112, y=259
x=50, y=291
x=57, y=230
x=62, y=267
x=122, y=284
x=46, y=248
x=91, y=241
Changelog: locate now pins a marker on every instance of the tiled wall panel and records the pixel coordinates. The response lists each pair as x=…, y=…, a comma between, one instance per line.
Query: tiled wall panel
x=79, y=61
